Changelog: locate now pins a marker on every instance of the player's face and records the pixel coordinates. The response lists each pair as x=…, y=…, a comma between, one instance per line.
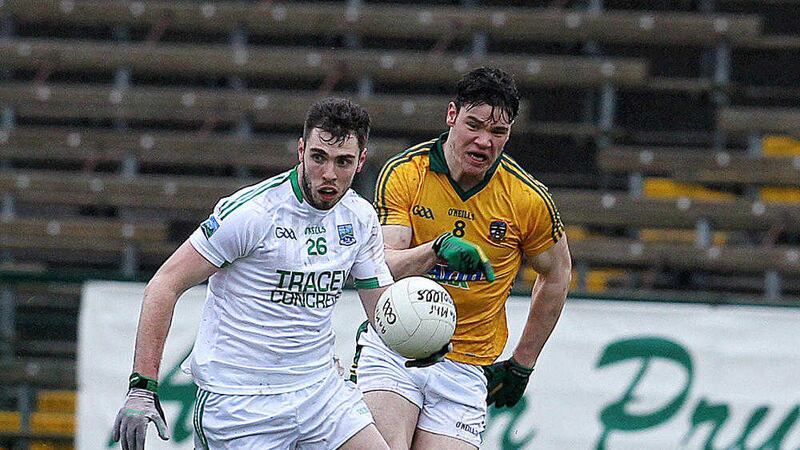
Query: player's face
x=327, y=168
x=477, y=137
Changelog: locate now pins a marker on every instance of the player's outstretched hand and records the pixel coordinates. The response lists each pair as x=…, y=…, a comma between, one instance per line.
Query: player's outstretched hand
x=507, y=381
x=430, y=360
x=141, y=407
x=462, y=255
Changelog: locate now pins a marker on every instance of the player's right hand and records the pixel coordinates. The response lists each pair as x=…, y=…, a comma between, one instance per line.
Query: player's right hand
x=462, y=255
x=141, y=407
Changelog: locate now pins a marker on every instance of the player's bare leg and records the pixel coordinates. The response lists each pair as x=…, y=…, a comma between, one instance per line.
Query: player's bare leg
x=395, y=417
x=367, y=439
x=426, y=440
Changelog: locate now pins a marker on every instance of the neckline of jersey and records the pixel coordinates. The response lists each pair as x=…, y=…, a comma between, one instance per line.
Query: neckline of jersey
x=438, y=164
x=298, y=193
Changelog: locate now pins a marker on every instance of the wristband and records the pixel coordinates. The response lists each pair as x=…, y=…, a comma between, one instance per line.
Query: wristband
x=140, y=381
x=519, y=368
x=437, y=243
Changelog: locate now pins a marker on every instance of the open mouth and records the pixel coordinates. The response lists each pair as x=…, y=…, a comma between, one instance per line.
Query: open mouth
x=327, y=193
x=479, y=158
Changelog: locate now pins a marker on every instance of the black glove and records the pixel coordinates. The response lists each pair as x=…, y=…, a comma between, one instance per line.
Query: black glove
x=141, y=407
x=430, y=360
x=506, y=382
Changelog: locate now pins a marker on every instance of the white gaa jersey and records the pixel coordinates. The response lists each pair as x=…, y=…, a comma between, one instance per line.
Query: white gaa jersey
x=266, y=324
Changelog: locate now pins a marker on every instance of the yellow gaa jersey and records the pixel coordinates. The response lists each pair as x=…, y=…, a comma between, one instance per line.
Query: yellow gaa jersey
x=509, y=214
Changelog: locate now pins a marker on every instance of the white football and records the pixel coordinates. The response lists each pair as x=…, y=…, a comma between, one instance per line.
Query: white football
x=415, y=317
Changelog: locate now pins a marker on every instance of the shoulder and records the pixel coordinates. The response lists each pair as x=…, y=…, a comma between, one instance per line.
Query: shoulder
x=410, y=159
x=357, y=206
x=405, y=168
x=253, y=199
x=522, y=186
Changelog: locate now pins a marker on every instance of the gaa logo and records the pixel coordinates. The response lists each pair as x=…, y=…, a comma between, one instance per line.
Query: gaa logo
x=284, y=233
x=419, y=210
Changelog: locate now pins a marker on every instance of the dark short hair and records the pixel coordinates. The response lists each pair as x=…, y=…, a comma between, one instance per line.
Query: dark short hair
x=491, y=86
x=340, y=118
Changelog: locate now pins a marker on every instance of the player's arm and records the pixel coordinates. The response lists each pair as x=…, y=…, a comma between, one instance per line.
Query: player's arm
x=402, y=260
x=508, y=379
x=554, y=269
x=369, y=298
x=459, y=254
x=182, y=270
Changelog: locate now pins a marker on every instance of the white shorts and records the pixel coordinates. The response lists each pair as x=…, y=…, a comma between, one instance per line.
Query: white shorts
x=322, y=416
x=451, y=395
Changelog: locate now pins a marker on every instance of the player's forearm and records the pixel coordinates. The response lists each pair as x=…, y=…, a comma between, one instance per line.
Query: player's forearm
x=547, y=301
x=154, y=323
x=411, y=261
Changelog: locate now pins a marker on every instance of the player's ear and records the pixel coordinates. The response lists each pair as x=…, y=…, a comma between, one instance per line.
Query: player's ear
x=301, y=148
x=452, y=113
x=362, y=158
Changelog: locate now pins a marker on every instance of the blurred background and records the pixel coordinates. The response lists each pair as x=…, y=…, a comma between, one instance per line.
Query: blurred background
x=666, y=130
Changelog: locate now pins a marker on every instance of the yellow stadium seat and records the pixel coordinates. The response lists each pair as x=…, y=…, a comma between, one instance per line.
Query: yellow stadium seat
x=665, y=188
x=780, y=195
x=60, y=401
x=9, y=421
x=780, y=146
x=597, y=280
x=41, y=445
x=683, y=236
x=53, y=423
x=575, y=233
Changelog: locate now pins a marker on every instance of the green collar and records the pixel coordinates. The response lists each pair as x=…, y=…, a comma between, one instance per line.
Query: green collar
x=439, y=165
x=298, y=192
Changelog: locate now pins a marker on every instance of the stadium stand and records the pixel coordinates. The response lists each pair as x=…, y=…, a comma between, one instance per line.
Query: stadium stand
x=666, y=131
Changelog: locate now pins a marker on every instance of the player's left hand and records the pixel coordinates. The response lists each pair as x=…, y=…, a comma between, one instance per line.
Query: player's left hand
x=507, y=381
x=430, y=360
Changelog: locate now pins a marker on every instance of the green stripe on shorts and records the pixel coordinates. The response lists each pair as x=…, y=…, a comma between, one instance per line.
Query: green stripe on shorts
x=199, y=407
x=361, y=330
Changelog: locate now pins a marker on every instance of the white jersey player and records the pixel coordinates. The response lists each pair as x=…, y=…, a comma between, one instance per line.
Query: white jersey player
x=278, y=254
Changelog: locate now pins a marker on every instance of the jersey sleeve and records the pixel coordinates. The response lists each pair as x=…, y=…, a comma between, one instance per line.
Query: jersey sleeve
x=543, y=227
x=369, y=270
x=229, y=235
x=394, y=192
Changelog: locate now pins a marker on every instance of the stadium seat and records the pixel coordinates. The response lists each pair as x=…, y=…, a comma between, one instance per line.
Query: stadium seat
x=621, y=252
x=670, y=161
x=48, y=373
x=53, y=423
x=92, y=146
x=392, y=21
x=309, y=64
x=194, y=106
x=742, y=119
x=56, y=401
x=666, y=188
x=619, y=209
x=145, y=192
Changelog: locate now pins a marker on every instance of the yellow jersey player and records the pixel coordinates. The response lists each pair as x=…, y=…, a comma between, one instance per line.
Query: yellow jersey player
x=449, y=207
